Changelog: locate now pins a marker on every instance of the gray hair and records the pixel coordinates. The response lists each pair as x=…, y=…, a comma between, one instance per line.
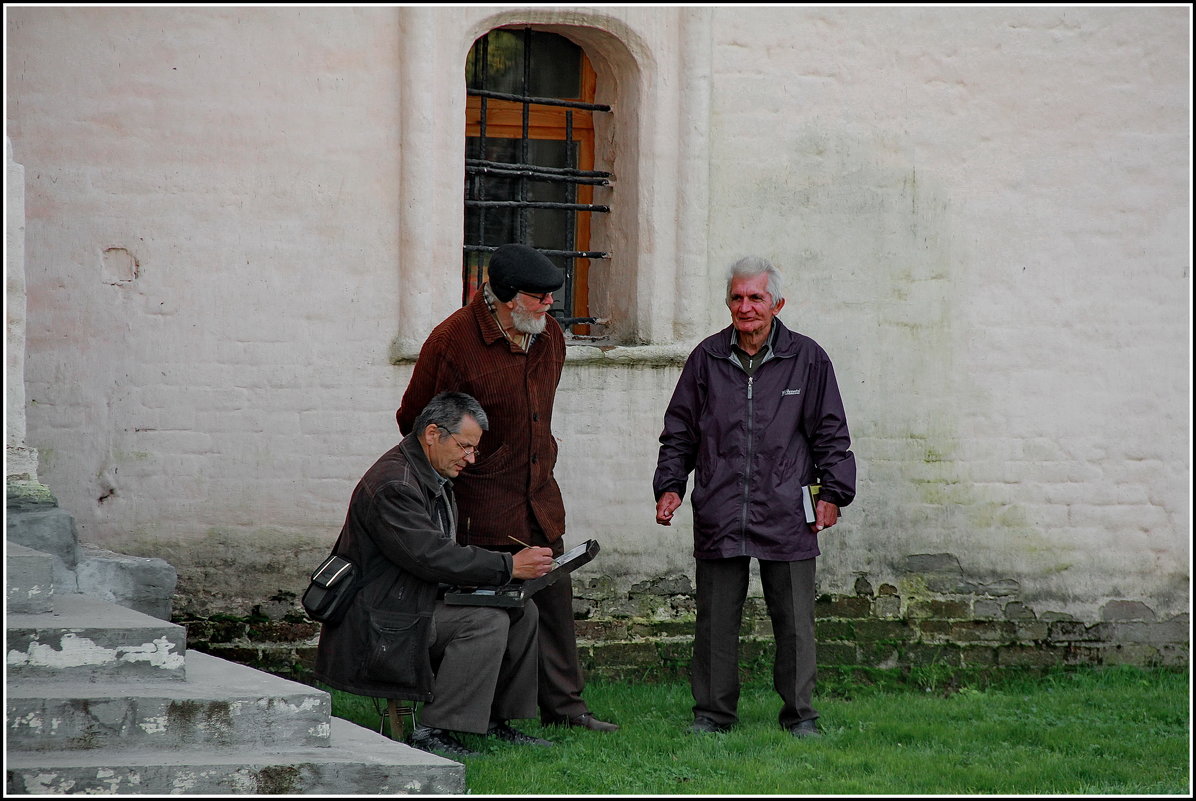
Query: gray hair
x=447, y=410
x=750, y=267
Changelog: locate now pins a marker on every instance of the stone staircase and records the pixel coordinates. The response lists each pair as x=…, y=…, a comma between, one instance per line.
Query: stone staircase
x=104, y=698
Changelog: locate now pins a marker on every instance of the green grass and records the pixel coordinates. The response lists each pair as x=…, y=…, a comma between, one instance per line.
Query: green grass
x=1108, y=731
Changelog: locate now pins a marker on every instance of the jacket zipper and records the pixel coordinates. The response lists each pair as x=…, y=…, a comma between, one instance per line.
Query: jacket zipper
x=747, y=470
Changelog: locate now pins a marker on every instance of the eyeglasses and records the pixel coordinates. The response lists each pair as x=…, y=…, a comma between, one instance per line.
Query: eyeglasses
x=468, y=450
x=541, y=297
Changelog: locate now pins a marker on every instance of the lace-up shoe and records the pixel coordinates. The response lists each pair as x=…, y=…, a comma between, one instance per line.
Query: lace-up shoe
x=504, y=732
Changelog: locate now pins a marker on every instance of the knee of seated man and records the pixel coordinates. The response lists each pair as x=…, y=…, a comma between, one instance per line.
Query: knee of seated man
x=487, y=621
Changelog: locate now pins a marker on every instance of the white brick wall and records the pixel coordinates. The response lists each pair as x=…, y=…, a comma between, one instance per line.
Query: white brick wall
x=982, y=215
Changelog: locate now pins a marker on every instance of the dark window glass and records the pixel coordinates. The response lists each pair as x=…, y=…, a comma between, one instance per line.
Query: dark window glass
x=555, y=64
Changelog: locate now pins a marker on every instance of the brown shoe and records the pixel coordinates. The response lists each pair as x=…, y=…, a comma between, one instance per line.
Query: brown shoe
x=585, y=720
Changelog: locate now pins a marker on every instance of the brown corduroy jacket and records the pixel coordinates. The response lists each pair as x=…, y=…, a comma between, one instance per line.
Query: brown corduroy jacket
x=513, y=479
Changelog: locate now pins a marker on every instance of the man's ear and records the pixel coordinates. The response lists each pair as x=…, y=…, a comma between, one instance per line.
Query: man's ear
x=431, y=434
x=780, y=305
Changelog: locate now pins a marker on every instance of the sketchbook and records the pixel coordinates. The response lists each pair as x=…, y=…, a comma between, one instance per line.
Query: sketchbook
x=517, y=593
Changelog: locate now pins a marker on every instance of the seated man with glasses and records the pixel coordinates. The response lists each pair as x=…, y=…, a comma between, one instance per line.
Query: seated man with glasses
x=502, y=349
x=474, y=667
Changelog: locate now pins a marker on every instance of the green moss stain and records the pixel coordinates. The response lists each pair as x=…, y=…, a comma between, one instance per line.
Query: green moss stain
x=279, y=780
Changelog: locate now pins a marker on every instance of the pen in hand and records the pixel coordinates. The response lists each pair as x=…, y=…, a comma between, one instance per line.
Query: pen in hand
x=531, y=563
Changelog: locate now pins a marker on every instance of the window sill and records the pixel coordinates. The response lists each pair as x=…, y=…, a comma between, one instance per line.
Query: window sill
x=589, y=354
x=626, y=355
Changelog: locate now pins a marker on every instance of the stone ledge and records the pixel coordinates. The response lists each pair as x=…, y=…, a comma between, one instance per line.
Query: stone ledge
x=581, y=353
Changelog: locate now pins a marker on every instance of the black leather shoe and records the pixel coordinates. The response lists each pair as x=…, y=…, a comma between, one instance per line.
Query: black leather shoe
x=504, y=732
x=806, y=728
x=704, y=725
x=585, y=720
x=438, y=741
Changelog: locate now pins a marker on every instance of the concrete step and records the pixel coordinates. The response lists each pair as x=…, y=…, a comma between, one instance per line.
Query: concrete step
x=221, y=704
x=138, y=582
x=86, y=639
x=49, y=529
x=30, y=579
x=356, y=762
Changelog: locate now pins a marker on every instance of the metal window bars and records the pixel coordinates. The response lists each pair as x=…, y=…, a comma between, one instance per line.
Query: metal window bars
x=523, y=170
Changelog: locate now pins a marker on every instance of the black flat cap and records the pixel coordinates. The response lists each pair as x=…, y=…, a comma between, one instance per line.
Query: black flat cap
x=519, y=267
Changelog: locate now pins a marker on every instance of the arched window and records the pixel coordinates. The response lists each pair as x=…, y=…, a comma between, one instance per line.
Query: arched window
x=529, y=160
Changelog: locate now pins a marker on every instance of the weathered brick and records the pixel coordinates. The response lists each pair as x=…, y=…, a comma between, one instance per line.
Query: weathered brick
x=1071, y=631
x=949, y=585
x=872, y=654
x=837, y=654
x=678, y=652
x=1174, y=655
x=1032, y=631
x=761, y=627
x=873, y=630
x=828, y=629
x=601, y=629
x=1028, y=656
x=924, y=654
x=1126, y=610
x=886, y=606
x=933, y=630
x=1019, y=611
x=640, y=653
x=281, y=631
x=938, y=609
x=842, y=606
x=978, y=656
x=755, y=608
x=982, y=631
x=755, y=648
x=661, y=628
x=952, y=610
x=1081, y=655
x=1000, y=588
x=986, y=609
x=1170, y=631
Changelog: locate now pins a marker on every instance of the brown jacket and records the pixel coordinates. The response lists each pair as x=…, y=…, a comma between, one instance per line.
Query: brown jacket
x=513, y=478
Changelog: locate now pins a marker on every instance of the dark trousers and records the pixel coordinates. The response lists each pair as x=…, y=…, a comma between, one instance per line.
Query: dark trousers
x=789, y=595
x=561, y=679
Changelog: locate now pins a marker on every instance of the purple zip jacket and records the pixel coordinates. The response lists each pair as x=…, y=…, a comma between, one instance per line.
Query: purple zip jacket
x=752, y=443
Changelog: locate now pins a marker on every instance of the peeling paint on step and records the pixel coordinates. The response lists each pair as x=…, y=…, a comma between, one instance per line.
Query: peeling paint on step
x=75, y=651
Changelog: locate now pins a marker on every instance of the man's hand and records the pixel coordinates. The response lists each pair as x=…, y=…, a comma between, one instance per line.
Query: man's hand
x=668, y=503
x=532, y=563
x=826, y=514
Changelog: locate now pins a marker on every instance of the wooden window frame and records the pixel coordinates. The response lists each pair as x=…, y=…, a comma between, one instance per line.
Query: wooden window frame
x=504, y=119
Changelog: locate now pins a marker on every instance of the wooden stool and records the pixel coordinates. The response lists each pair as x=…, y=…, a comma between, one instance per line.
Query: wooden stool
x=392, y=715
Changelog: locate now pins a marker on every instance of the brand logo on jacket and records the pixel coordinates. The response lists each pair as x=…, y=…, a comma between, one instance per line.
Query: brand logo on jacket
x=785, y=392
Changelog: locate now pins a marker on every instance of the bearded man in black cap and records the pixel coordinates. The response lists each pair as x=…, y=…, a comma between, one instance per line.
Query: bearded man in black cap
x=504, y=350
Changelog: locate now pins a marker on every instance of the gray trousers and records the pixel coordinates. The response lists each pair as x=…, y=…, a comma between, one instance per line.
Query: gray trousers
x=485, y=661
x=789, y=595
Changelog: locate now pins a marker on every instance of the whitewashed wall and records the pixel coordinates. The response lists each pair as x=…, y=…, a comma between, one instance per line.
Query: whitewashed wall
x=239, y=221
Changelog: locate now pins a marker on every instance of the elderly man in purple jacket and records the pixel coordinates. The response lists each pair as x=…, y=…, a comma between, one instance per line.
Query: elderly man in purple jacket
x=756, y=417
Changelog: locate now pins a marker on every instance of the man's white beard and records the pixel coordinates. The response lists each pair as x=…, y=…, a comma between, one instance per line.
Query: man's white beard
x=528, y=322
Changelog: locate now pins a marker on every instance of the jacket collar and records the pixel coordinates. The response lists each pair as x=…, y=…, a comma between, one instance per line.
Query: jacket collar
x=782, y=341
x=424, y=473
x=484, y=317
